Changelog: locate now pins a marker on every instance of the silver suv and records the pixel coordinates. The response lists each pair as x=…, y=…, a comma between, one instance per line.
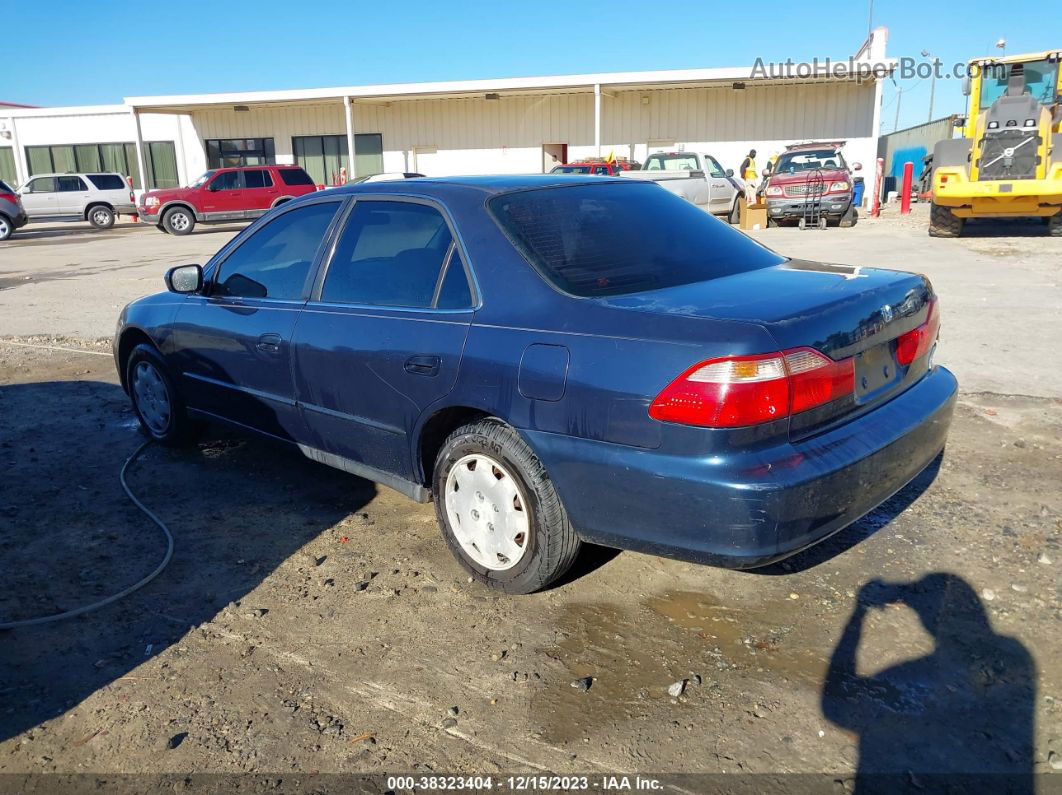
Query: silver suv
x=96, y=198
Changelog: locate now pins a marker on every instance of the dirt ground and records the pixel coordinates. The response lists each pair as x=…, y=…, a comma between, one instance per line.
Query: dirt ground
x=311, y=622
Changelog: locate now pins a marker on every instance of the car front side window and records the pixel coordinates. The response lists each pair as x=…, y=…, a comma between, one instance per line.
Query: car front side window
x=42, y=185
x=275, y=260
x=226, y=180
x=390, y=254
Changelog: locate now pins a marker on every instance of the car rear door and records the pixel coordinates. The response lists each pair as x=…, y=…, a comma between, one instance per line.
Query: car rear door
x=40, y=197
x=382, y=337
x=259, y=191
x=223, y=197
x=73, y=195
x=232, y=344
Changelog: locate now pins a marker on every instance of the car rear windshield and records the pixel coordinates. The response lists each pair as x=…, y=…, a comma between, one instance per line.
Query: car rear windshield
x=619, y=238
x=107, y=181
x=5, y=188
x=295, y=176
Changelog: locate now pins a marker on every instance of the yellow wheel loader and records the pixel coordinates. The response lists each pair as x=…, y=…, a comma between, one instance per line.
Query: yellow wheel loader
x=1008, y=164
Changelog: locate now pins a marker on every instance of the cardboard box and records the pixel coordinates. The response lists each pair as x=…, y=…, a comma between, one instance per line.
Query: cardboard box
x=753, y=216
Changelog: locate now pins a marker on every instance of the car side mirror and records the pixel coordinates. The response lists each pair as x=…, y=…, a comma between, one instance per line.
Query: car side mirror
x=185, y=279
x=729, y=172
x=857, y=166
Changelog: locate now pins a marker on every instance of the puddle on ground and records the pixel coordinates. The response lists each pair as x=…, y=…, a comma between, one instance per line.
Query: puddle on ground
x=633, y=658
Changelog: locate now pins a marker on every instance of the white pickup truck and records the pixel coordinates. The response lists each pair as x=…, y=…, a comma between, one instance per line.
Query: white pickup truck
x=696, y=177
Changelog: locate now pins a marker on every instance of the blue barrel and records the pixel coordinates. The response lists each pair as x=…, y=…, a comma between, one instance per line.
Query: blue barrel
x=857, y=192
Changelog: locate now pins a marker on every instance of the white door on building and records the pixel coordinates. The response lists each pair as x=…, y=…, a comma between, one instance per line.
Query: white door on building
x=553, y=155
x=426, y=161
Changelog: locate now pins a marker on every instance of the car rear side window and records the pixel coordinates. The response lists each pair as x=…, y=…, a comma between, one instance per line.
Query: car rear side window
x=71, y=184
x=390, y=254
x=617, y=238
x=107, y=182
x=275, y=260
x=257, y=179
x=455, y=292
x=295, y=176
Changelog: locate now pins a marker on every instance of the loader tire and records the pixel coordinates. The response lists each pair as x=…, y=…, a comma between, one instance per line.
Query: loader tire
x=943, y=222
x=1054, y=225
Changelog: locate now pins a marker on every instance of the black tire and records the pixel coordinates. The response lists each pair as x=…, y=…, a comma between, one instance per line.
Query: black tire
x=943, y=222
x=734, y=216
x=772, y=223
x=551, y=544
x=178, y=429
x=179, y=220
x=850, y=217
x=1054, y=225
x=7, y=227
x=100, y=216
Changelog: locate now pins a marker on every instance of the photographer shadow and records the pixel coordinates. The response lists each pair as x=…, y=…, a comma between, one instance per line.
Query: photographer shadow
x=959, y=718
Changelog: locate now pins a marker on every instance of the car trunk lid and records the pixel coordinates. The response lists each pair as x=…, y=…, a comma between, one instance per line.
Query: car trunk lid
x=842, y=311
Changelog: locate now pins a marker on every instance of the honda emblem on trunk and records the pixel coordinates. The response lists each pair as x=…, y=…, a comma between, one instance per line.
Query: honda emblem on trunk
x=886, y=314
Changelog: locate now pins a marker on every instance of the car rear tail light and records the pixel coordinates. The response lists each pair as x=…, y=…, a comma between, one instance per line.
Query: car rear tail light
x=917, y=342
x=9, y=197
x=736, y=391
x=132, y=197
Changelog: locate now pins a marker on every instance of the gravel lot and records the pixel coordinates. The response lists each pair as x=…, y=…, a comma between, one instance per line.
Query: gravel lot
x=311, y=622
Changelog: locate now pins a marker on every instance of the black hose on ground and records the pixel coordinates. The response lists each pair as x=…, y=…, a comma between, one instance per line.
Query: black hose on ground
x=29, y=622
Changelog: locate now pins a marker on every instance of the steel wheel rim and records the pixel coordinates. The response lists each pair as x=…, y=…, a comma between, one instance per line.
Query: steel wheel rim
x=179, y=221
x=488, y=512
x=151, y=396
x=100, y=217
x=4, y=228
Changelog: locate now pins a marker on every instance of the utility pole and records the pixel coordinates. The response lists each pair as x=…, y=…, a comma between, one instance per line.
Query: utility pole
x=870, y=18
x=932, y=82
x=899, y=96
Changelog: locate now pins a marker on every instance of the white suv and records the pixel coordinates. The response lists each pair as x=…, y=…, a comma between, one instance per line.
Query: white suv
x=96, y=198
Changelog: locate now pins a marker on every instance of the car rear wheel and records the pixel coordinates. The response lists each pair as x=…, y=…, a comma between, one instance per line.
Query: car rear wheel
x=156, y=401
x=6, y=227
x=178, y=221
x=943, y=222
x=498, y=509
x=101, y=217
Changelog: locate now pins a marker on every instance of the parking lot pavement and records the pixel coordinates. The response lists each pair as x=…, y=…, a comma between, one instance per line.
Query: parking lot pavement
x=310, y=621
x=72, y=280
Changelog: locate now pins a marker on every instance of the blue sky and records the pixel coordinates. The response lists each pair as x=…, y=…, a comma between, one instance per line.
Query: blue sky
x=88, y=53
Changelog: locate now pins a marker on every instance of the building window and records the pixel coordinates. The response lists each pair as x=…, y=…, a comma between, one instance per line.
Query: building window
x=160, y=159
x=323, y=156
x=7, y=165
x=229, y=152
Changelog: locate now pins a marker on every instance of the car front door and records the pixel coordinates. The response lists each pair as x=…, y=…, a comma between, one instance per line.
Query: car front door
x=382, y=335
x=259, y=192
x=40, y=197
x=73, y=195
x=223, y=197
x=722, y=189
x=232, y=344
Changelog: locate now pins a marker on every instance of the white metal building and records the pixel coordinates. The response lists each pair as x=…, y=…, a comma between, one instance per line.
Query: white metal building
x=520, y=125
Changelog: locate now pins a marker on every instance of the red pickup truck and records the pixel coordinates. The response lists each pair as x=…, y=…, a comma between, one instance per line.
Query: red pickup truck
x=223, y=195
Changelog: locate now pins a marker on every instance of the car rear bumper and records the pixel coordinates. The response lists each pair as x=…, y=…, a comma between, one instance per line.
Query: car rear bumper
x=832, y=204
x=748, y=509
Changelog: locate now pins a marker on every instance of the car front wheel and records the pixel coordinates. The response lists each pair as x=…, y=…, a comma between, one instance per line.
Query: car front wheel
x=498, y=509
x=178, y=221
x=156, y=401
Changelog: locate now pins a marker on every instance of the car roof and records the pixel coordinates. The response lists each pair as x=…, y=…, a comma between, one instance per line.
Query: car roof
x=502, y=183
x=815, y=145
x=74, y=174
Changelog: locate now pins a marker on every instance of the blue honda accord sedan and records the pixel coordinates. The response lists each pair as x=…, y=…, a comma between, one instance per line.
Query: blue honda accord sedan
x=554, y=360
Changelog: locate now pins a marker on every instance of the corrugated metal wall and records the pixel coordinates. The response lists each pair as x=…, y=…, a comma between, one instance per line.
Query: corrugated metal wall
x=477, y=135
x=913, y=144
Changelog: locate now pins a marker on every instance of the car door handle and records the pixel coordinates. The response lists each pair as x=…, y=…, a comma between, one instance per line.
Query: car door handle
x=423, y=365
x=269, y=343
